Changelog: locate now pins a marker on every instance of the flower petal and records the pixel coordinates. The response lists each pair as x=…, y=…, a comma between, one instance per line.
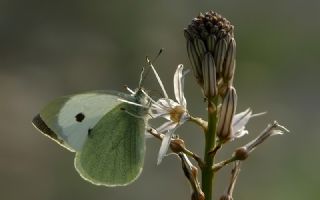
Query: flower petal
x=178, y=84
x=159, y=80
x=239, y=134
x=185, y=117
x=277, y=132
x=160, y=114
x=167, y=103
x=165, y=145
x=240, y=120
x=167, y=126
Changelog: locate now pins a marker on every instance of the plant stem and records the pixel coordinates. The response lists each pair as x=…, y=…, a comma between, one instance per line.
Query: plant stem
x=210, y=142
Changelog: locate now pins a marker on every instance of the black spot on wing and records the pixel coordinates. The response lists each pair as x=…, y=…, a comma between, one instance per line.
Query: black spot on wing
x=42, y=126
x=79, y=117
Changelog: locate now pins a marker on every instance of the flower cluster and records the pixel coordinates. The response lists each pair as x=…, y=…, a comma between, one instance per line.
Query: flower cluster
x=212, y=52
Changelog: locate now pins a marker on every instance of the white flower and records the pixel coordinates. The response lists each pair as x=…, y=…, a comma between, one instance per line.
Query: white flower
x=174, y=111
x=240, y=121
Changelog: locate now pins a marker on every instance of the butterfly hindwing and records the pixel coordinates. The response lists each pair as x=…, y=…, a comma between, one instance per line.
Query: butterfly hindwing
x=114, y=152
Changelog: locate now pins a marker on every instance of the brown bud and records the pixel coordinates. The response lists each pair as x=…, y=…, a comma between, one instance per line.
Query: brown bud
x=241, y=153
x=177, y=145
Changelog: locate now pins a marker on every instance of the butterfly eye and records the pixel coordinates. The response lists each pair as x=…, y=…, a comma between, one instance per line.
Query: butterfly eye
x=79, y=117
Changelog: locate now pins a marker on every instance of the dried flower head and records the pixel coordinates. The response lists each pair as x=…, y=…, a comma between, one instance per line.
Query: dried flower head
x=273, y=129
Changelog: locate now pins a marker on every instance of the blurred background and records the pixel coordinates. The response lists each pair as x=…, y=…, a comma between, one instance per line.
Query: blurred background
x=53, y=48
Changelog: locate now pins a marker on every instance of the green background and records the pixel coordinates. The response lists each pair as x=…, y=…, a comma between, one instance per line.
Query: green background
x=53, y=48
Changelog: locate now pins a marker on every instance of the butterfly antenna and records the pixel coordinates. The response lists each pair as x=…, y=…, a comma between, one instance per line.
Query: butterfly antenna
x=157, y=56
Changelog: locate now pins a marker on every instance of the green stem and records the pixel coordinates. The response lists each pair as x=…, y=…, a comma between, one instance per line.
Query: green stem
x=210, y=142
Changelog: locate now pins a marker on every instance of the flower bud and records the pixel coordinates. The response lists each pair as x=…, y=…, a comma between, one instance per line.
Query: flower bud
x=177, y=145
x=241, y=153
x=211, y=33
x=220, y=53
x=200, y=47
x=195, y=62
x=230, y=61
x=211, y=42
x=209, y=76
x=228, y=109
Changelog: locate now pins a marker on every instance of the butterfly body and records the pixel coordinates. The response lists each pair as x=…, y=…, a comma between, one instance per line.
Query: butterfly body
x=106, y=134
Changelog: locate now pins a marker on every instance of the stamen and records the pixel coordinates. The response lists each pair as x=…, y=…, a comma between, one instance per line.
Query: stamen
x=165, y=127
x=128, y=89
x=161, y=115
x=158, y=78
x=154, y=102
x=258, y=114
x=133, y=103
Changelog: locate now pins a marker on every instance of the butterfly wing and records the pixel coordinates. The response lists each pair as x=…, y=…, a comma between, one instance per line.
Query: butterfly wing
x=68, y=120
x=114, y=153
x=106, y=134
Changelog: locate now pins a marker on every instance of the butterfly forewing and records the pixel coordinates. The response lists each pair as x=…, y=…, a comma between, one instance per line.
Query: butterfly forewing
x=68, y=119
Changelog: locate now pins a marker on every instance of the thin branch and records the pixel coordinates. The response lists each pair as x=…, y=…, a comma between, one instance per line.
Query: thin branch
x=202, y=123
x=234, y=176
x=214, y=151
x=218, y=166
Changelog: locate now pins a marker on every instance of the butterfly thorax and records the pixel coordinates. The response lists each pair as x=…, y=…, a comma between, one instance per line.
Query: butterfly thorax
x=141, y=99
